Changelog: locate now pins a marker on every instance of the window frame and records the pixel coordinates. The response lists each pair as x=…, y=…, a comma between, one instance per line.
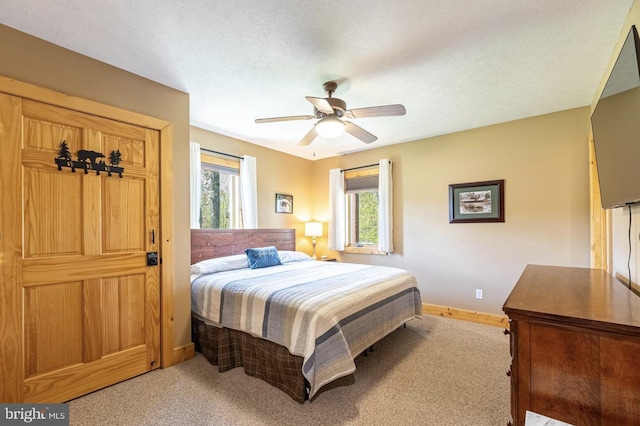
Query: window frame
x=350, y=216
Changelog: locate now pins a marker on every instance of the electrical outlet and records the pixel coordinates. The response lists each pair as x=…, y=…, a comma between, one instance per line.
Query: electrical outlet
x=479, y=294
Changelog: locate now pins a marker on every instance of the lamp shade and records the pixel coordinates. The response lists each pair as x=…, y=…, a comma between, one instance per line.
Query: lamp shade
x=330, y=127
x=313, y=229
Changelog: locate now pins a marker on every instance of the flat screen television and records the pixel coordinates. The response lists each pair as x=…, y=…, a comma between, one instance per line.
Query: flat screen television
x=615, y=123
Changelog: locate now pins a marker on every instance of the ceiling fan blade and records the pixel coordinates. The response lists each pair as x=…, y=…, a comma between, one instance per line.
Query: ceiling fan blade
x=321, y=104
x=308, y=138
x=377, y=111
x=288, y=118
x=359, y=132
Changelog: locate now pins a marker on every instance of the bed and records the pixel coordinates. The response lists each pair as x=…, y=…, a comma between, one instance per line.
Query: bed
x=296, y=323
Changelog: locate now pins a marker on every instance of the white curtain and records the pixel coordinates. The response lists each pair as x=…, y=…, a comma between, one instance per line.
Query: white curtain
x=249, y=192
x=195, y=170
x=385, y=207
x=337, y=220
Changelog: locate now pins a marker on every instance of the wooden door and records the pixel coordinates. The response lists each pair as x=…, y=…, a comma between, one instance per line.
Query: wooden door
x=89, y=303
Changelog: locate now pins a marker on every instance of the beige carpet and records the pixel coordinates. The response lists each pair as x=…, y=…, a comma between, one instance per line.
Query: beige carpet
x=437, y=371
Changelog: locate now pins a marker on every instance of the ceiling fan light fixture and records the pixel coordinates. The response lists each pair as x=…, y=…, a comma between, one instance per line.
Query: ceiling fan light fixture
x=330, y=127
x=329, y=111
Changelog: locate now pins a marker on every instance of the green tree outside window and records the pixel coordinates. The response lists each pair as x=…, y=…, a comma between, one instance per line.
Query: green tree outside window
x=367, y=217
x=215, y=200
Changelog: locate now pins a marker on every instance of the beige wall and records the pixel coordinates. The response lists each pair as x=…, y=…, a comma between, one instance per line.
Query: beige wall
x=544, y=162
x=277, y=173
x=34, y=61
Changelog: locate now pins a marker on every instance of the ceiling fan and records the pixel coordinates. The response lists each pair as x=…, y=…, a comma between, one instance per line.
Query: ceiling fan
x=332, y=112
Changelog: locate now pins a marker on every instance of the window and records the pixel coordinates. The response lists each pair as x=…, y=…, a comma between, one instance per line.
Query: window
x=362, y=217
x=361, y=209
x=361, y=192
x=220, y=194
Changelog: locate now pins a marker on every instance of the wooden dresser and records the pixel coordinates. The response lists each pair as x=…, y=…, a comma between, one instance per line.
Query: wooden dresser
x=575, y=347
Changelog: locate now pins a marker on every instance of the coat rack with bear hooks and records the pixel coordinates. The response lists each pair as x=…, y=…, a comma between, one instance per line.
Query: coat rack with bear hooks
x=88, y=160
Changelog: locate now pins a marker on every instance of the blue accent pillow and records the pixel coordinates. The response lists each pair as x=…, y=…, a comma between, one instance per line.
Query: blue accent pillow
x=263, y=257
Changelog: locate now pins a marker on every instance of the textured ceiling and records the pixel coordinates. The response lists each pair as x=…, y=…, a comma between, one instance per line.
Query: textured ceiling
x=454, y=65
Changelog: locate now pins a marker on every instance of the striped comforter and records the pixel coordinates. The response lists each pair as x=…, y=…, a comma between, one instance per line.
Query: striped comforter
x=325, y=312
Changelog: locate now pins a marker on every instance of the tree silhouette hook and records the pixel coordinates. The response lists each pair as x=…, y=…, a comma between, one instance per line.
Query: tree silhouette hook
x=89, y=160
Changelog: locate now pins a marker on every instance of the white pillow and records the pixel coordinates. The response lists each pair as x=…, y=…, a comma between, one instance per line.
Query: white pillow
x=220, y=264
x=292, y=256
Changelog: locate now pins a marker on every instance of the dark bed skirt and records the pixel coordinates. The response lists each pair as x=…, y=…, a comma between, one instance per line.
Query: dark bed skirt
x=260, y=358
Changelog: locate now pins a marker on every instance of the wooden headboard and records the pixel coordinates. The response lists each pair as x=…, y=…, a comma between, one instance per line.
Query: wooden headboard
x=210, y=243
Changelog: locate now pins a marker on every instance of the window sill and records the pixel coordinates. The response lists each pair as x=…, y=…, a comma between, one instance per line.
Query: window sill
x=364, y=250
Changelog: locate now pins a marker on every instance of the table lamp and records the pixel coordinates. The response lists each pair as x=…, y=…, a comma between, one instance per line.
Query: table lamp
x=313, y=229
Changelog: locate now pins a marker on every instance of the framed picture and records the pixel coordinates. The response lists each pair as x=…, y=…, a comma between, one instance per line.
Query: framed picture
x=476, y=202
x=284, y=203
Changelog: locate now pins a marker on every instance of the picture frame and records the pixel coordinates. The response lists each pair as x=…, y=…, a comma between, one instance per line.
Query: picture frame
x=284, y=203
x=476, y=202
